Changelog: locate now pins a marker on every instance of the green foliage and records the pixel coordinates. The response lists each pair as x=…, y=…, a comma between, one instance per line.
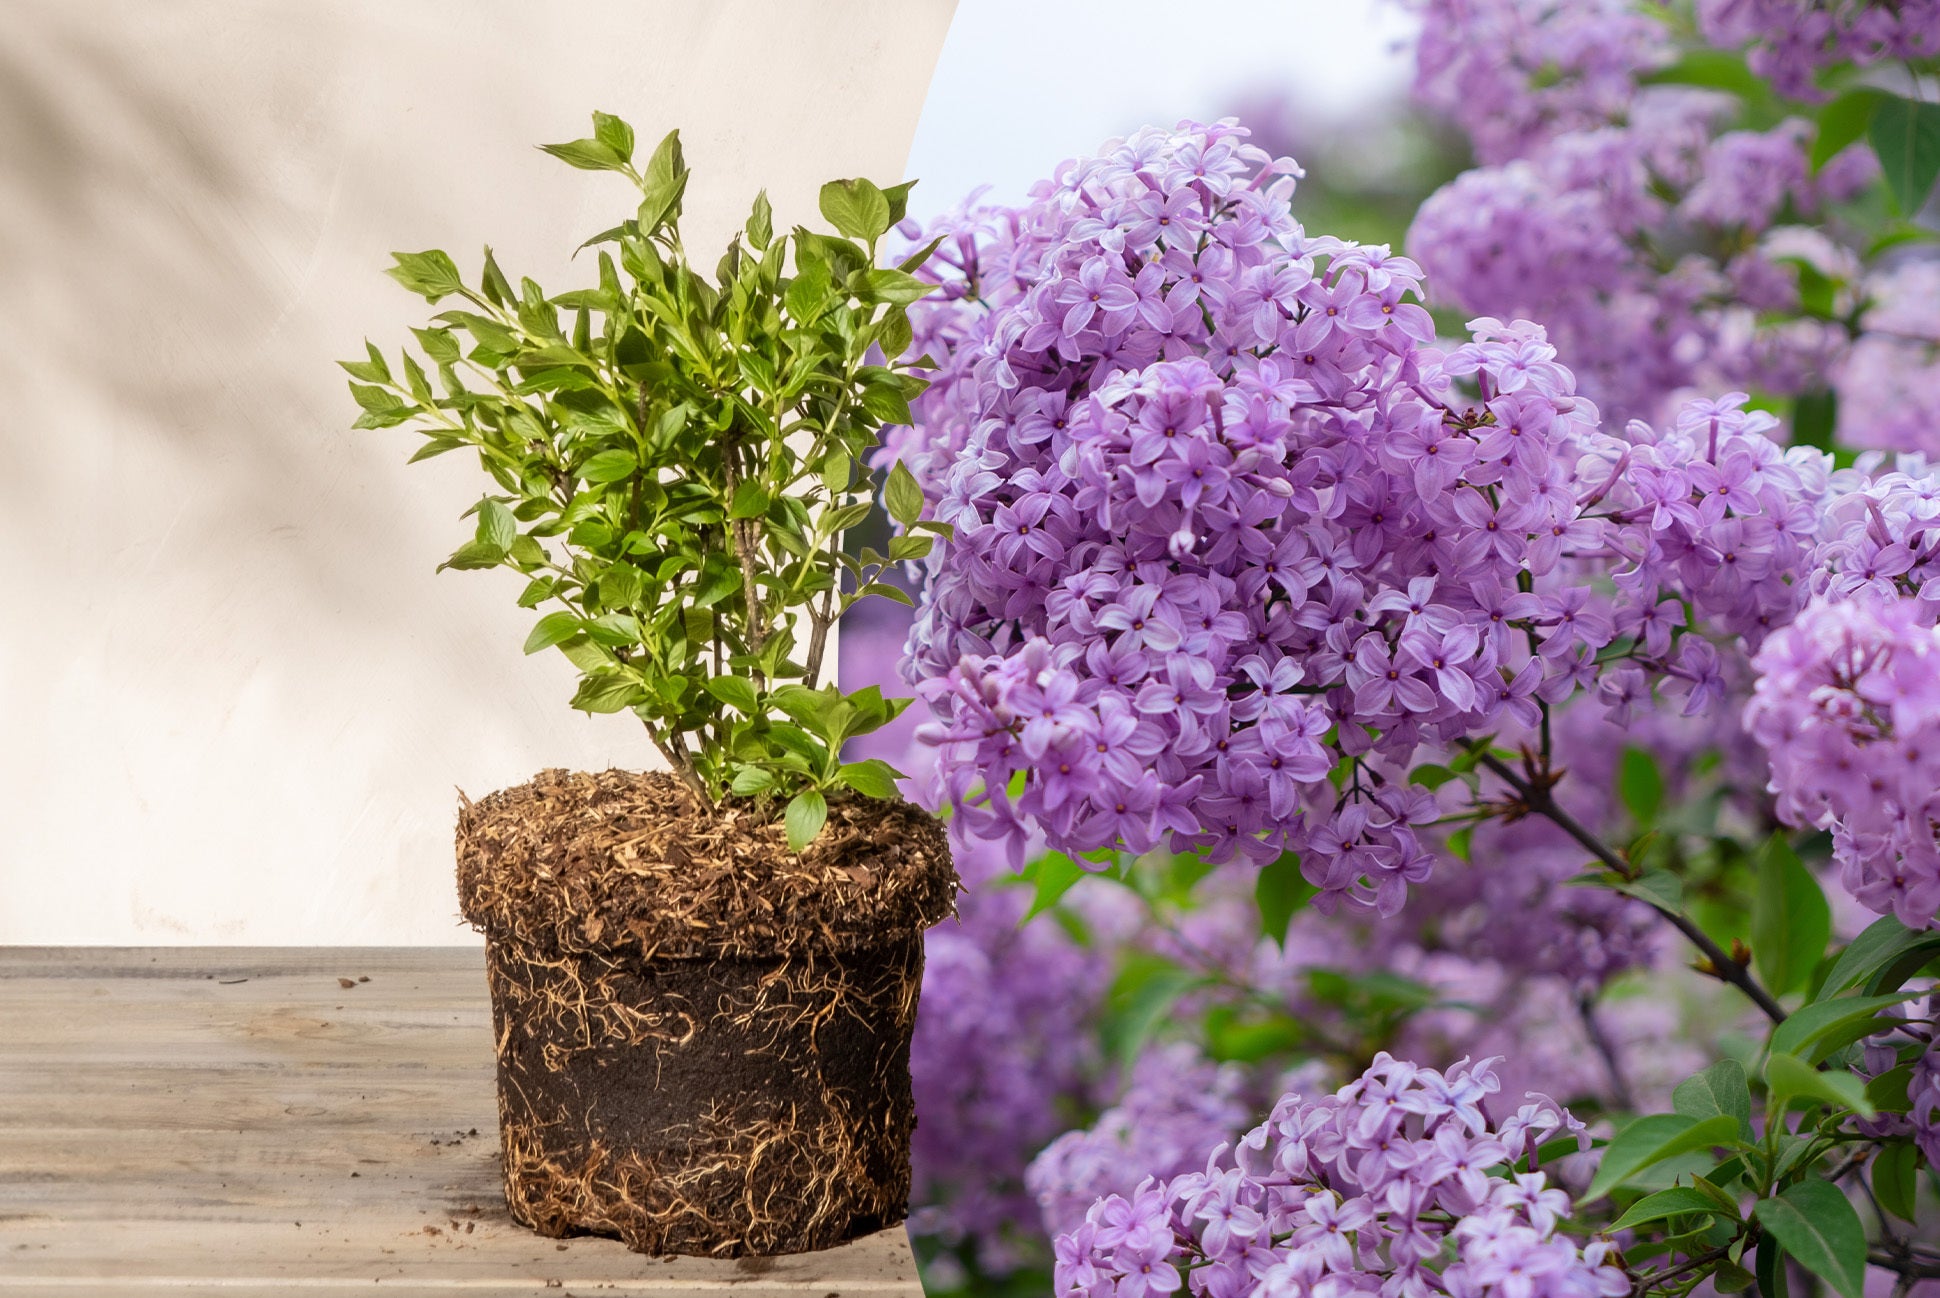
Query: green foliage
x=1905, y=133
x=1640, y=785
x=1652, y=1139
x=1790, y=920
x=1815, y=1223
x=1721, y=1089
x=1280, y=891
x=675, y=461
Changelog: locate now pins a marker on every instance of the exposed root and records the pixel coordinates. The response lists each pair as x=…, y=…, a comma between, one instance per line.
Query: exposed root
x=702, y=1037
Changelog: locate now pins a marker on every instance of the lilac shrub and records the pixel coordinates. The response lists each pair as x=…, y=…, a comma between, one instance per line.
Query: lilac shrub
x=1361, y=1190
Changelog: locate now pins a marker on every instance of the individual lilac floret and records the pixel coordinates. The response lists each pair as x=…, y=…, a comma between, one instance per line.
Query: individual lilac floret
x=1848, y=706
x=1227, y=527
x=1384, y=1186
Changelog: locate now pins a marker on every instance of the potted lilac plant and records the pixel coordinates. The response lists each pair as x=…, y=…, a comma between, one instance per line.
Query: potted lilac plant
x=703, y=978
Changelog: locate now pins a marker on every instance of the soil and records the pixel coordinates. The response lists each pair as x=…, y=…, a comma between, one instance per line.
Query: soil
x=703, y=1037
x=621, y=861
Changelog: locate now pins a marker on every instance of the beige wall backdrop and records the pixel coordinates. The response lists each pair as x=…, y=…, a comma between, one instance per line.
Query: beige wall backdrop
x=235, y=698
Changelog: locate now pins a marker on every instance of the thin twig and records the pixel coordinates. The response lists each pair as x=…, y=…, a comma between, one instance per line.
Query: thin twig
x=1593, y=1026
x=1538, y=800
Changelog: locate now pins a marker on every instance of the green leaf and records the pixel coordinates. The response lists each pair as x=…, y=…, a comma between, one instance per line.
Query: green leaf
x=1770, y=1268
x=1790, y=921
x=614, y=134
x=474, y=555
x=1720, y=1089
x=856, y=208
x=1790, y=1078
x=1906, y=136
x=1652, y=1139
x=665, y=182
x=1732, y=1278
x=1640, y=785
x=887, y=405
x=750, y=780
x=1051, y=876
x=1896, y=1178
x=552, y=628
x=1713, y=70
x=1674, y=1202
x=1815, y=415
x=1141, y=998
x=609, y=466
x=750, y=500
x=1875, y=951
x=1280, y=891
x=430, y=274
x=902, y=497
x=871, y=777
x=496, y=526
x=1659, y=888
x=1842, y=121
x=1889, y=1090
x=1814, y=1022
x=896, y=286
x=807, y=812
x=587, y=155
x=374, y=398
x=735, y=691
x=606, y=693
x=760, y=227
x=1817, y=1225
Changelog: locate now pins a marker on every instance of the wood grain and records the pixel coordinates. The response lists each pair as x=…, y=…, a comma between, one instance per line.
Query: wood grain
x=238, y=1122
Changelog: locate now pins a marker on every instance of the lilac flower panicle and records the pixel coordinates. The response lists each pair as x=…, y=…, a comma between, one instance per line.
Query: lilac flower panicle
x=1226, y=525
x=1359, y=1191
x=1847, y=703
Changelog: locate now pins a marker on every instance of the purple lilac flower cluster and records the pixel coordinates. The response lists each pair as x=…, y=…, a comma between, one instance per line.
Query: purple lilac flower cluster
x=1354, y=1193
x=1225, y=525
x=1714, y=512
x=1514, y=73
x=1791, y=40
x=1651, y=250
x=1848, y=703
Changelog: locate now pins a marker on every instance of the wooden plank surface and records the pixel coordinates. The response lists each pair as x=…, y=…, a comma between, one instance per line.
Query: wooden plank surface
x=236, y=1121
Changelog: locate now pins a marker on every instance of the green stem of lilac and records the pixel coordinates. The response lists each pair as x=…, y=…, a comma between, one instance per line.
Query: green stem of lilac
x=1541, y=802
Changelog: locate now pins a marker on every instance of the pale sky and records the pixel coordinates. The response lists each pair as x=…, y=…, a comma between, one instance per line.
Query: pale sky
x=1024, y=84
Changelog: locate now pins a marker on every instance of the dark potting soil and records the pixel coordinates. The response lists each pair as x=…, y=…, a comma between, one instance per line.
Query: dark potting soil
x=702, y=1036
x=724, y=1108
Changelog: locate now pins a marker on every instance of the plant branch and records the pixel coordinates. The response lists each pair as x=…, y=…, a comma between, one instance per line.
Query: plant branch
x=1537, y=798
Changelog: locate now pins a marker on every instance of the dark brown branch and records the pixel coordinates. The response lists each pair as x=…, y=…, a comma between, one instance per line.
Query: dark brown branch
x=1537, y=798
